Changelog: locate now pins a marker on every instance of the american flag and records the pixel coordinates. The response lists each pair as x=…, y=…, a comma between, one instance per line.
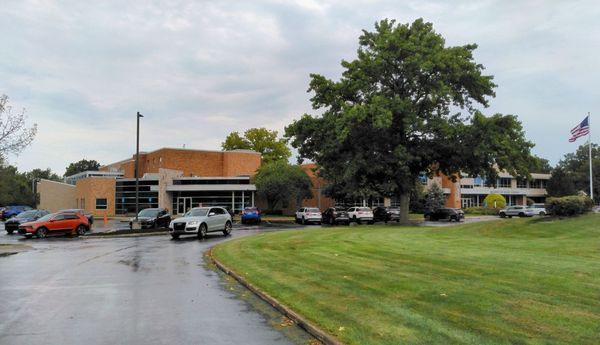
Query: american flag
x=581, y=130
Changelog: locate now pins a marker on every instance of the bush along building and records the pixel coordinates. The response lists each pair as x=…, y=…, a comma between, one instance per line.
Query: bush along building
x=176, y=179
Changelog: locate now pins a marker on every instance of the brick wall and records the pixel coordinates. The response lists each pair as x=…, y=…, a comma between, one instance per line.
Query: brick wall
x=191, y=162
x=92, y=188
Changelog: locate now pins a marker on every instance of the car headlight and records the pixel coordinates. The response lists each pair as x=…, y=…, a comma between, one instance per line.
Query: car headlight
x=193, y=222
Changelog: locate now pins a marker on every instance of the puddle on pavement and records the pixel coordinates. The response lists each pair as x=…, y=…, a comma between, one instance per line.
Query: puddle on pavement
x=254, y=304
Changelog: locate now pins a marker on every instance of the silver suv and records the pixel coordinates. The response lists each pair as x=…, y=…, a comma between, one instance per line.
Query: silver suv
x=200, y=221
x=517, y=210
x=540, y=209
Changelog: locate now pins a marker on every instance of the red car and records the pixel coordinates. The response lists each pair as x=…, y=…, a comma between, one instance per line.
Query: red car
x=56, y=223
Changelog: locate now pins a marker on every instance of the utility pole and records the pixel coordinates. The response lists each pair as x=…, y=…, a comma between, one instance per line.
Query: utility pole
x=137, y=167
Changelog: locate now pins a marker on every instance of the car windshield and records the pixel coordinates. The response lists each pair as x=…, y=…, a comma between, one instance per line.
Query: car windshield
x=312, y=210
x=149, y=212
x=250, y=209
x=364, y=209
x=196, y=212
x=340, y=209
x=26, y=214
x=47, y=217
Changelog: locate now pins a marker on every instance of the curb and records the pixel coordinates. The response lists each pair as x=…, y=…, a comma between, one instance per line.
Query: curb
x=309, y=327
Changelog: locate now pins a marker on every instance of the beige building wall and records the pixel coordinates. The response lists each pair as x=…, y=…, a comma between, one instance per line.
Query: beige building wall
x=166, y=176
x=92, y=188
x=55, y=196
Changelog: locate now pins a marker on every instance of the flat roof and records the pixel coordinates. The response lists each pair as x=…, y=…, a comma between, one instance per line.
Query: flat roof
x=181, y=149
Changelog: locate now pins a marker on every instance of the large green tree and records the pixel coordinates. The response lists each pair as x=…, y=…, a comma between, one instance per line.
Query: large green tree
x=406, y=106
x=81, y=166
x=280, y=182
x=261, y=140
x=572, y=173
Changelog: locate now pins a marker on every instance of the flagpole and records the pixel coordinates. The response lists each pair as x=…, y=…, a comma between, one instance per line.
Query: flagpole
x=590, y=153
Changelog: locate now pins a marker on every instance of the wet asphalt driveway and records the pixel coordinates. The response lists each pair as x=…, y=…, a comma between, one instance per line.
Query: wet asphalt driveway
x=137, y=290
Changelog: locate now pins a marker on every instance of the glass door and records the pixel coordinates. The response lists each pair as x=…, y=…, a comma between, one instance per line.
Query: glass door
x=184, y=204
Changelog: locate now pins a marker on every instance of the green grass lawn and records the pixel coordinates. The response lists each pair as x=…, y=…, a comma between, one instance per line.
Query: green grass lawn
x=513, y=281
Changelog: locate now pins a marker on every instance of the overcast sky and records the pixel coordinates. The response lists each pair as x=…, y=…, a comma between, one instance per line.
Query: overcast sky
x=198, y=70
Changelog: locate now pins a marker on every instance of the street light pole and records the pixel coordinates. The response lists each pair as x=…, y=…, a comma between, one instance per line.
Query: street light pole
x=137, y=166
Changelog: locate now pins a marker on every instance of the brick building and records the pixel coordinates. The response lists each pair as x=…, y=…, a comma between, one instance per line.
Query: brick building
x=465, y=192
x=176, y=179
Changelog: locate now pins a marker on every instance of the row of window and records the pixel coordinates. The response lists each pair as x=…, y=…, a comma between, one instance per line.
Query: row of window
x=506, y=182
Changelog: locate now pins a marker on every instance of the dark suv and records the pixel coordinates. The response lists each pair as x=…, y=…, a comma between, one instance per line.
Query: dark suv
x=448, y=214
x=12, y=224
x=152, y=218
x=386, y=214
x=336, y=215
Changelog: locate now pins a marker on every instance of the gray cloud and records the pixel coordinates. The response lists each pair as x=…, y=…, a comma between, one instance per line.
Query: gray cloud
x=198, y=70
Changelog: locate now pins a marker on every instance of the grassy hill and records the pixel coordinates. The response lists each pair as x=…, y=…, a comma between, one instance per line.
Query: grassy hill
x=527, y=281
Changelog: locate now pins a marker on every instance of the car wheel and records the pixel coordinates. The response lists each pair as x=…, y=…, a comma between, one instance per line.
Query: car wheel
x=41, y=233
x=202, y=231
x=542, y=213
x=10, y=232
x=502, y=215
x=80, y=231
x=175, y=236
x=521, y=214
x=303, y=221
x=227, y=230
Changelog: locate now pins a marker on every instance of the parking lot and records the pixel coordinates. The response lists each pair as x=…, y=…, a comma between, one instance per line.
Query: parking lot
x=138, y=290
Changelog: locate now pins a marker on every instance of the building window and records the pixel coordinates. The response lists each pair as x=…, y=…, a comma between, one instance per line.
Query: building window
x=101, y=204
x=504, y=182
x=538, y=184
x=521, y=183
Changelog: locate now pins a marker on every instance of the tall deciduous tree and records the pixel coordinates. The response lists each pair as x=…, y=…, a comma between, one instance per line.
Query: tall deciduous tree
x=260, y=140
x=81, y=166
x=389, y=118
x=279, y=183
x=14, y=133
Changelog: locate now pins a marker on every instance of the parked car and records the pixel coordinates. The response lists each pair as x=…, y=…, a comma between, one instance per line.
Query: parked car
x=360, y=214
x=88, y=215
x=307, y=215
x=386, y=214
x=517, y=210
x=12, y=224
x=200, y=221
x=445, y=213
x=335, y=215
x=540, y=209
x=152, y=218
x=13, y=210
x=251, y=215
x=56, y=223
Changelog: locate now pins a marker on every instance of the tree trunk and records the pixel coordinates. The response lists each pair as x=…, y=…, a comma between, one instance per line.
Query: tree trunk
x=404, y=207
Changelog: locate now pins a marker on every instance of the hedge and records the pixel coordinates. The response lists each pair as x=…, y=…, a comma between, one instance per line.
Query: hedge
x=482, y=210
x=569, y=205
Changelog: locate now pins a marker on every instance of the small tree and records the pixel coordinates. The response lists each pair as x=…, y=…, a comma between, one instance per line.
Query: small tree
x=435, y=198
x=14, y=135
x=260, y=140
x=494, y=201
x=279, y=183
x=81, y=166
